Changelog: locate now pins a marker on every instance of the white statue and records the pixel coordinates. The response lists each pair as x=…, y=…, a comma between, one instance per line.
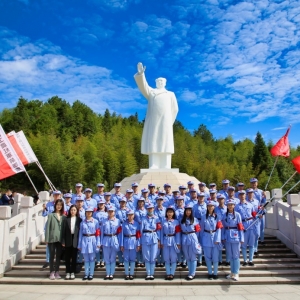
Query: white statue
x=157, y=139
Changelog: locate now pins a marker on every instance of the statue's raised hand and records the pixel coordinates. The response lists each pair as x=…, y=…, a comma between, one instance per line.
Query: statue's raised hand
x=141, y=69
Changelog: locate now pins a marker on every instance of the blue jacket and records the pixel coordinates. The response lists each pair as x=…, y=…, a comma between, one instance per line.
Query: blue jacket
x=233, y=228
x=214, y=225
x=131, y=234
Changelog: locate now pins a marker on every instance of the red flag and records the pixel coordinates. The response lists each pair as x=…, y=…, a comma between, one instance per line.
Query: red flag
x=282, y=147
x=14, y=142
x=296, y=163
x=10, y=163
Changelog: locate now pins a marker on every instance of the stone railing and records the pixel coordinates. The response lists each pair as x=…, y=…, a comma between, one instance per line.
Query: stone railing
x=283, y=219
x=21, y=233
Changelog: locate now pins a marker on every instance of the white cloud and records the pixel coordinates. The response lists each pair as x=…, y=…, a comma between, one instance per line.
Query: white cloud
x=40, y=70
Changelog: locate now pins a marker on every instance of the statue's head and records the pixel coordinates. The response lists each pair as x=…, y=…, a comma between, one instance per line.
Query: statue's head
x=161, y=82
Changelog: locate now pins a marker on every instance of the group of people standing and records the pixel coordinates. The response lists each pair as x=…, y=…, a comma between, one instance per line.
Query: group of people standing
x=150, y=229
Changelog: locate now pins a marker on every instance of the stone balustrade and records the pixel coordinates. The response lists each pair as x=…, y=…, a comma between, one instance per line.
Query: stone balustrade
x=20, y=233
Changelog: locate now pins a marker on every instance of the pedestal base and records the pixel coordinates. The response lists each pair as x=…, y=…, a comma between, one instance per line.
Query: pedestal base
x=159, y=177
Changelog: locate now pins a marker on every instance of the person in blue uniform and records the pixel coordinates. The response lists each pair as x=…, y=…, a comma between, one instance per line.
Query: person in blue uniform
x=240, y=187
x=212, y=186
x=78, y=188
x=247, y=212
x=100, y=192
x=130, y=243
x=260, y=196
x=107, y=198
x=170, y=242
x=111, y=230
x=199, y=210
x=136, y=194
x=152, y=195
x=231, y=195
x=167, y=188
x=121, y=214
x=89, y=202
x=211, y=226
x=131, y=203
x=100, y=215
x=182, y=190
x=151, y=236
x=172, y=200
x=181, y=261
x=68, y=204
x=250, y=199
x=190, y=229
x=193, y=197
x=221, y=211
x=79, y=205
x=233, y=236
x=160, y=212
x=190, y=185
x=139, y=214
x=202, y=186
x=115, y=198
x=213, y=195
x=89, y=243
x=225, y=184
x=145, y=193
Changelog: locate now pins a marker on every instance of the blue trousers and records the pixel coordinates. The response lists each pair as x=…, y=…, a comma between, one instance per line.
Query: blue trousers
x=170, y=268
x=191, y=259
x=140, y=258
x=233, y=250
x=181, y=257
x=79, y=258
x=262, y=228
x=169, y=254
x=150, y=253
x=99, y=256
x=160, y=256
x=120, y=257
x=211, y=255
x=128, y=264
x=109, y=254
x=129, y=255
x=89, y=263
x=110, y=268
x=235, y=266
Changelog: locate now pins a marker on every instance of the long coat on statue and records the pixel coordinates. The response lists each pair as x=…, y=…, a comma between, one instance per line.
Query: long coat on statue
x=161, y=114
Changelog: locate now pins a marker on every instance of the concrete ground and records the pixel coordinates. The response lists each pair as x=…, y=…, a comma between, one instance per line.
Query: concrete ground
x=130, y=292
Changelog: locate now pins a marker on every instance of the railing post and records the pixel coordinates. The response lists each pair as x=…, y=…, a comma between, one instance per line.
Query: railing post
x=271, y=216
x=5, y=215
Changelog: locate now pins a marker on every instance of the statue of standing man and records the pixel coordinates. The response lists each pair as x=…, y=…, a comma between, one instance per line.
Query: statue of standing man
x=157, y=139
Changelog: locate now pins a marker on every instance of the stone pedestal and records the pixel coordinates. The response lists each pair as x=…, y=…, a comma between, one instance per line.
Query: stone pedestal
x=159, y=177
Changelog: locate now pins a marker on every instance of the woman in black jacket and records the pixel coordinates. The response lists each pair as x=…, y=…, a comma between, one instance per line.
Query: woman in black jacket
x=70, y=231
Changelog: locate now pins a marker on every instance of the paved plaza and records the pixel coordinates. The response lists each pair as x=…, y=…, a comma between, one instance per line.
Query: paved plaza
x=130, y=292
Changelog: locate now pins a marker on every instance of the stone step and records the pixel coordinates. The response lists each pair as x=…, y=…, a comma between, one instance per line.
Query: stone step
x=257, y=260
x=257, y=266
x=161, y=274
x=157, y=282
x=261, y=254
x=279, y=249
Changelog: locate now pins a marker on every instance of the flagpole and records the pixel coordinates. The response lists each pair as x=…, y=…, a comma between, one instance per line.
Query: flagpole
x=52, y=187
x=289, y=179
x=271, y=173
x=31, y=181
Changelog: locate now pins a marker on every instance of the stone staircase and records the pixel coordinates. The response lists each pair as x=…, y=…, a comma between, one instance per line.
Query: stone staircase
x=275, y=264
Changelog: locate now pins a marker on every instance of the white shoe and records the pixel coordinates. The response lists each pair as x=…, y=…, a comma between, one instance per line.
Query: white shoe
x=67, y=276
x=235, y=277
x=229, y=276
x=72, y=276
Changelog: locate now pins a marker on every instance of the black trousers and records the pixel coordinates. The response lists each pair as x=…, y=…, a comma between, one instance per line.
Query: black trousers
x=54, y=250
x=71, y=254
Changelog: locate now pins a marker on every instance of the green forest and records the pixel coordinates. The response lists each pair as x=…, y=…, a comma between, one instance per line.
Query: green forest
x=75, y=144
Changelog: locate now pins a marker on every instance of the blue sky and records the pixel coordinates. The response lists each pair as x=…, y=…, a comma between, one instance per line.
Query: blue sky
x=233, y=65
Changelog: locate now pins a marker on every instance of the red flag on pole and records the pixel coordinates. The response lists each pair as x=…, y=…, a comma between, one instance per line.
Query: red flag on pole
x=282, y=147
x=10, y=163
x=18, y=148
x=296, y=163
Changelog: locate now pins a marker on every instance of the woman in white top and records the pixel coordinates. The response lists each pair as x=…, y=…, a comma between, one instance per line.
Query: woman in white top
x=70, y=233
